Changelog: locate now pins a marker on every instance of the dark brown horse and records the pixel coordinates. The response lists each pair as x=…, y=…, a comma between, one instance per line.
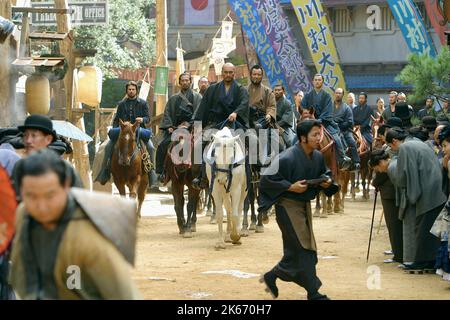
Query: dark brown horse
x=180, y=171
x=328, y=149
x=127, y=168
x=365, y=173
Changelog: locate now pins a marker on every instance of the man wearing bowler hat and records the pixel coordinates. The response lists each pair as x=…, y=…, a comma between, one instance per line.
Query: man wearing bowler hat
x=38, y=134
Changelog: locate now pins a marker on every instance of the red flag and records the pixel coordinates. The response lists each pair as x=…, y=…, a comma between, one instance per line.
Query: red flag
x=7, y=210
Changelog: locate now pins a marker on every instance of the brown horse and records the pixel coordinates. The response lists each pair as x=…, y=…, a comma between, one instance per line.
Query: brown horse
x=328, y=149
x=365, y=172
x=127, y=168
x=181, y=172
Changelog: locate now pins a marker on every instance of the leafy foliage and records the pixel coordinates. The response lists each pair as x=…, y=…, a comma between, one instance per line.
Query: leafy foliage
x=428, y=76
x=128, y=41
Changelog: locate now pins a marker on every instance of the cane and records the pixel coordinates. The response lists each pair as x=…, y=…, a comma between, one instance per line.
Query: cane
x=371, y=226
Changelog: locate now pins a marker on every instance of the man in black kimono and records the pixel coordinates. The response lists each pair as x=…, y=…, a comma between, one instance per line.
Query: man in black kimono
x=285, y=115
x=343, y=116
x=322, y=103
x=291, y=188
x=132, y=109
x=180, y=108
x=362, y=117
x=225, y=101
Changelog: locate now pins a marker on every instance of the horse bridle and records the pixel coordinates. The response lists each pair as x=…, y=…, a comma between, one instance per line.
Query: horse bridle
x=135, y=151
x=228, y=171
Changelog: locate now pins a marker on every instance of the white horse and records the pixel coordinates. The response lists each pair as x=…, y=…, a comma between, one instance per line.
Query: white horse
x=225, y=167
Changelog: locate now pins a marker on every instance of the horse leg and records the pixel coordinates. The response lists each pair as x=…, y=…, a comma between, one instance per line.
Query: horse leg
x=353, y=188
x=194, y=196
x=317, y=210
x=323, y=203
x=220, y=244
x=227, y=205
x=245, y=207
x=121, y=188
x=251, y=199
x=142, y=190
x=236, y=215
x=209, y=205
x=329, y=205
x=178, y=198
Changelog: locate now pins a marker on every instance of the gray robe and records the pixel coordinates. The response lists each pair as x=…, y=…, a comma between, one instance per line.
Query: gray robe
x=179, y=110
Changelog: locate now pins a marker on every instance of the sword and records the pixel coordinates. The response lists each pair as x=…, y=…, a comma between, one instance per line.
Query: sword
x=371, y=226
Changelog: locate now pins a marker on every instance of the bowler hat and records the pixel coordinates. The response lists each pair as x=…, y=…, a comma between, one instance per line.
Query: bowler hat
x=403, y=111
x=39, y=122
x=429, y=123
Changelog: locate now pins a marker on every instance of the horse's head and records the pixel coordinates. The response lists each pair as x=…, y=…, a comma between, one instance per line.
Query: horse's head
x=224, y=145
x=180, y=150
x=127, y=142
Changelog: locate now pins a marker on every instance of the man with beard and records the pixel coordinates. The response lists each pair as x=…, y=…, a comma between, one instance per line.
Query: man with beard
x=390, y=110
x=285, y=116
x=322, y=103
x=362, y=116
x=203, y=84
x=343, y=116
x=132, y=109
x=261, y=99
x=225, y=101
x=180, y=108
x=301, y=175
x=428, y=110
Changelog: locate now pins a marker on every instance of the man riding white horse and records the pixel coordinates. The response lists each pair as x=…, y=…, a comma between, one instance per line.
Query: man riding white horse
x=132, y=109
x=224, y=101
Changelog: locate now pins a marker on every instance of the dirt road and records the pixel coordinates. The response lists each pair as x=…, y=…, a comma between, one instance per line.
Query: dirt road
x=171, y=267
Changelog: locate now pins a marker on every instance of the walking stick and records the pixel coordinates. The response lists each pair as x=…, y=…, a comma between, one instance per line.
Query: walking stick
x=381, y=220
x=371, y=226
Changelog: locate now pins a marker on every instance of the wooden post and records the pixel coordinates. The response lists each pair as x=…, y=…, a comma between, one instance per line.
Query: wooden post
x=161, y=48
x=80, y=150
x=6, y=92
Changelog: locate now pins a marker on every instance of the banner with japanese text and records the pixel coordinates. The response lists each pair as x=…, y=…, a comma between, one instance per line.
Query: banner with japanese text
x=283, y=42
x=413, y=29
x=318, y=36
x=252, y=26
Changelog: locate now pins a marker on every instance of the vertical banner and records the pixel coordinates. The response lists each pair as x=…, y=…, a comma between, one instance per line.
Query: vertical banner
x=227, y=29
x=413, y=29
x=317, y=33
x=435, y=18
x=283, y=42
x=252, y=26
x=161, y=80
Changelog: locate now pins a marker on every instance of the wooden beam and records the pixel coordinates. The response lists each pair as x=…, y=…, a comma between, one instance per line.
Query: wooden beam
x=161, y=48
x=42, y=10
x=48, y=35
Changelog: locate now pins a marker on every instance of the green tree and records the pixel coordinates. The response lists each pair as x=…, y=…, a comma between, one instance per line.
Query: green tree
x=427, y=75
x=129, y=26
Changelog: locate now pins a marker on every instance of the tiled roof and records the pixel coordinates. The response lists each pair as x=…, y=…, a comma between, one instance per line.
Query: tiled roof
x=373, y=81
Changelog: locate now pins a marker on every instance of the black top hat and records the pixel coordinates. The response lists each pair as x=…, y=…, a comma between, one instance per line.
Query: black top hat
x=403, y=111
x=39, y=122
x=429, y=123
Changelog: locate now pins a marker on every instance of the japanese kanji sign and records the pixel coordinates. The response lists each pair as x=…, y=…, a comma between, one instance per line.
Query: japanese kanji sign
x=317, y=33
x=283, y=42
x=252, y=26
x=411, y=24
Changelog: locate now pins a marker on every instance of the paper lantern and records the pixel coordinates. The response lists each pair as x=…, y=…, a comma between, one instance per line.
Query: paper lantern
x=37, y=94
x=90, y=85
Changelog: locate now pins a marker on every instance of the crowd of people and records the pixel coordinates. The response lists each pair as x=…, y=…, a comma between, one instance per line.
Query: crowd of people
x=410, y=153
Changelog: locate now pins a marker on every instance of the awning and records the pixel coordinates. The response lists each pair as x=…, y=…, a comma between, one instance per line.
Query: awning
x=373, y=81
